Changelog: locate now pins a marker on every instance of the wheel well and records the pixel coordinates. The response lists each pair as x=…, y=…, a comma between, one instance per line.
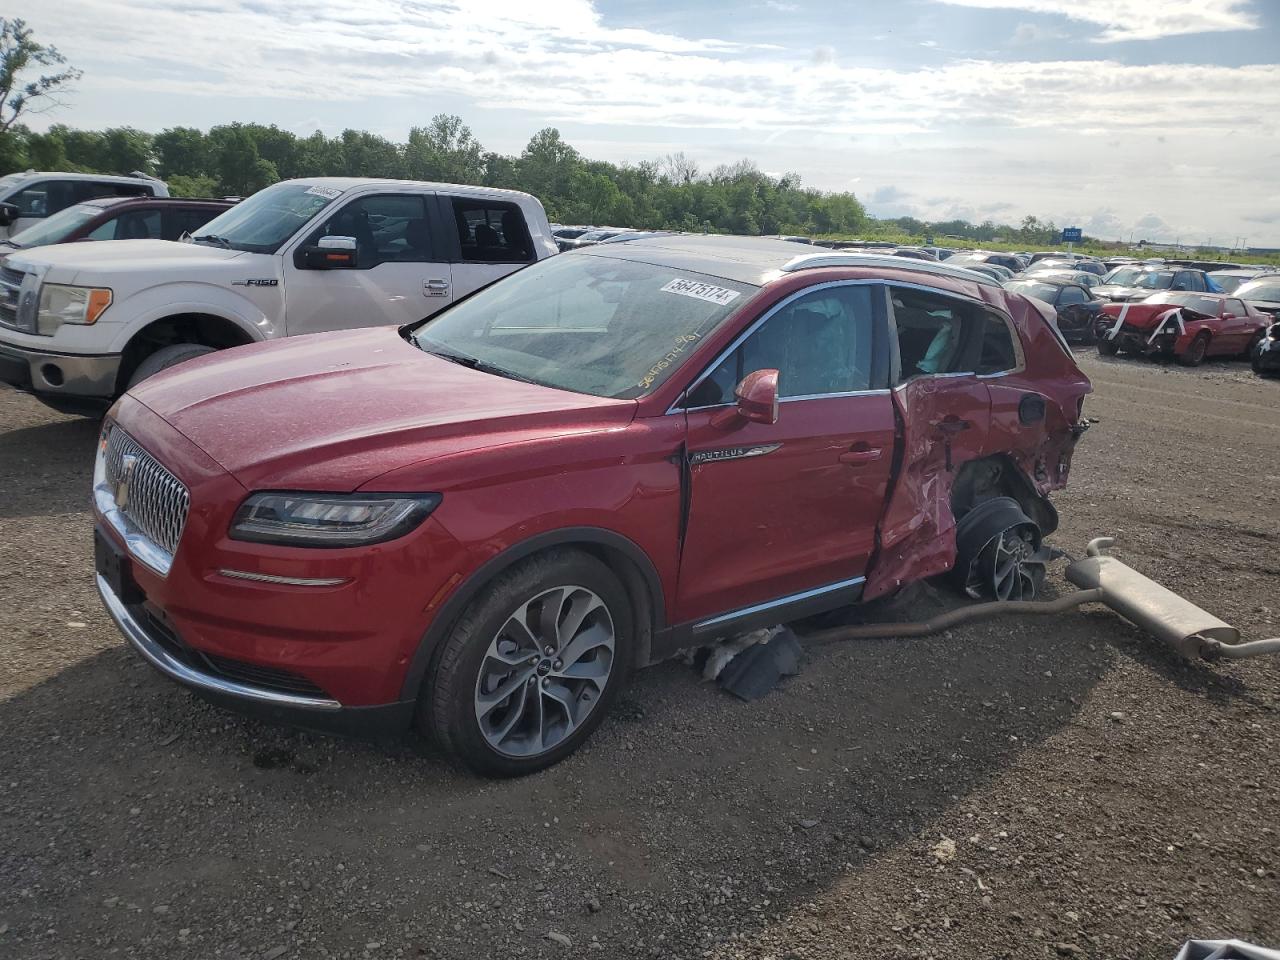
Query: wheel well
x=199, y=328
x=1000, y=476
x=642, y=601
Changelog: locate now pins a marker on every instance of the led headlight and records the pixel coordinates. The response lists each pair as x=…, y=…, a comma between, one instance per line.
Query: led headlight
x=330, y=519
x=62, y=303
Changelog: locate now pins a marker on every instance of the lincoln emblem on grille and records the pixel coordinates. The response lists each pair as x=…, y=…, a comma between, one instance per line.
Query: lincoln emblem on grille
x=128, y=463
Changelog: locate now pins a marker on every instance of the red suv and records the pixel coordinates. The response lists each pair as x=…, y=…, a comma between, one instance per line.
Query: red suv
x=481, y=523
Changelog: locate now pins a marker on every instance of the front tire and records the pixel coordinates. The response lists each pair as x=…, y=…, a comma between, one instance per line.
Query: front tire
x=167, y=357
x=1107, y=348
x=532, y=666
x=1196, y=352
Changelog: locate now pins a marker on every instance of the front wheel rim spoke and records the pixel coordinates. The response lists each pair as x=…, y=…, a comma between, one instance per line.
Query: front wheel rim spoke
x=506, y=687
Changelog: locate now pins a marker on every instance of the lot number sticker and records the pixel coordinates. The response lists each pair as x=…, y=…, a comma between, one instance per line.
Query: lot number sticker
x=701, y=291
x=327, y=192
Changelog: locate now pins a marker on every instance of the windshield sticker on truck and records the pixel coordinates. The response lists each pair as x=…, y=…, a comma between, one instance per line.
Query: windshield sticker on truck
x=682, y=344
x=327, y=192
x=702, y=291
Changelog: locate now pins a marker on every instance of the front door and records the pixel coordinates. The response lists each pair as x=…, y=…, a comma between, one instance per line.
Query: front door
x=785, y=508
x=1238, y=329
x=399, y=275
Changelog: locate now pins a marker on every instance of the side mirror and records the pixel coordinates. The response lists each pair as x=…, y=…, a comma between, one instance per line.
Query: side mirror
x=757, y=397
x=9, y=212
x=330, y=253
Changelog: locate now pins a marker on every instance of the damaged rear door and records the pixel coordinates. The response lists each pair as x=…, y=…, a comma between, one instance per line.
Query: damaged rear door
x=943, y=410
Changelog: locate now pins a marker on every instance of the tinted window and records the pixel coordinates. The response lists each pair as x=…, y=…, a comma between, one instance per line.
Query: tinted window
x=998, y=351
x=386, y=228
x=820, y=343
x=45, y=198
x=492, y=232
x=134, y=225
x=1072, y=295
x=1187, y=280
x=177, y=222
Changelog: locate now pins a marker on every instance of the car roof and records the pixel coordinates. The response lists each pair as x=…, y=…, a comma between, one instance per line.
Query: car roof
x=348, y=183
x=743, y=259
x=105, y=202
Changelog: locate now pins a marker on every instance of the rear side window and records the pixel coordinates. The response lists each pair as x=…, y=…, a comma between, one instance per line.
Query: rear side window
x=174, y=223
x=491, y=231
x=1072, y=295
x=1236, y=308
x=931, y=333
x=999, y=355
x=820, y=344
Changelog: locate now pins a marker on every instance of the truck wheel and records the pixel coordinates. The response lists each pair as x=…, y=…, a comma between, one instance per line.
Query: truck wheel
x=1196, y=352
x=1107, y=348
x=532, y=666
x=167, y=357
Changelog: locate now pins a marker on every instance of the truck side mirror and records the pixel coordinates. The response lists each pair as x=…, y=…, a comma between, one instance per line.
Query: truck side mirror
x=757, y=397
x=329, y=253
x=9, y=212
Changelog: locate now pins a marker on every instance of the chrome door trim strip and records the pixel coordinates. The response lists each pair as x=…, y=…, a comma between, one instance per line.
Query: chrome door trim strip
x=703, y=625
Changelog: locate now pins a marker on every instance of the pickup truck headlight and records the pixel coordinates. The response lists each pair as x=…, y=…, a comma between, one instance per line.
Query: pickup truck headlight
x=62, y=303
x=330, y=519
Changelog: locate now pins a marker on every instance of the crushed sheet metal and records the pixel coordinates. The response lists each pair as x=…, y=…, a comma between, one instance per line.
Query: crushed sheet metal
x=1224, y=950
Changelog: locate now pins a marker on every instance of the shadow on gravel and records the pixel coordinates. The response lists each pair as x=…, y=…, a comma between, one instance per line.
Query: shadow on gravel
x=47, y=469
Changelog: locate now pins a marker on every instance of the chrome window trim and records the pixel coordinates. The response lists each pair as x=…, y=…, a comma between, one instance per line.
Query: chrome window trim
x=703, y=625
x=755, y=325
x=781, y=400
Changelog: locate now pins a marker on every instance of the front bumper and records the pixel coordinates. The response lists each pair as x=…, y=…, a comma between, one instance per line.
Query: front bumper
x=59, y=374
x=1268, y=359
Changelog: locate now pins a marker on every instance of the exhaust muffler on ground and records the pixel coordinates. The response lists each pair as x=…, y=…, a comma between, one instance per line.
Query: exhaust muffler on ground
x=1102, y=579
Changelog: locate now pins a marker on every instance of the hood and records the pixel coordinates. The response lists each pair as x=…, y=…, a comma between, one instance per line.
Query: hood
x=334, y=411
x=1140, y=316
x=117, y=256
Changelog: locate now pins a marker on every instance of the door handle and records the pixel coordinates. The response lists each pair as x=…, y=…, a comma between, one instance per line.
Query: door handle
x=435, y=288
x=861, y=454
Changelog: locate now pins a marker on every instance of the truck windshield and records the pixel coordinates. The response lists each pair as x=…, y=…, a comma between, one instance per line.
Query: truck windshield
x=267, y=219
x=54, y=229
x=591, y=324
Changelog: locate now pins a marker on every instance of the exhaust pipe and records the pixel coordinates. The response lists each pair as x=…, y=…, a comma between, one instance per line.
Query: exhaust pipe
x=1101, y=579
x=1158, y=610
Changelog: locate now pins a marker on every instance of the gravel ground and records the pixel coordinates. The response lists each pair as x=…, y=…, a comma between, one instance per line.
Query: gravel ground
x=1017, y=789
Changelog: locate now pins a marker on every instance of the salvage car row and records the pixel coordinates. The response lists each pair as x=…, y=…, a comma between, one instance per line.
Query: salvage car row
x=477, y=517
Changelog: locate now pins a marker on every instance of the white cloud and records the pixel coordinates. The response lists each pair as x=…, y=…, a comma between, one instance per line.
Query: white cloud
x=1138, y=19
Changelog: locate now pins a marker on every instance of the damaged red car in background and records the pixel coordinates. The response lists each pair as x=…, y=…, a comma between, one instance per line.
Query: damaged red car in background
x=482, y=523
x=1187, y=327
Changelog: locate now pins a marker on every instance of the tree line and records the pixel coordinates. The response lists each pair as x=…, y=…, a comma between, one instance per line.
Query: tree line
x=672, y=193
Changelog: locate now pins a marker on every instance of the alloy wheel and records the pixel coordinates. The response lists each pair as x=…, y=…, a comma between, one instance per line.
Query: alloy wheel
x=545, y=671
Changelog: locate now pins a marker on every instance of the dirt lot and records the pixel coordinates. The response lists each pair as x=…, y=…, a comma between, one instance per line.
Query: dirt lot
x=1104, y=799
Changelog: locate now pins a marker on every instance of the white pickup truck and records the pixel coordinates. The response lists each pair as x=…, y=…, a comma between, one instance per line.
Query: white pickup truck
x=81, y=323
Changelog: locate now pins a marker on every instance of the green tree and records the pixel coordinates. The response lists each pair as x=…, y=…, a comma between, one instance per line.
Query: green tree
x=240, y=170
x=126, y=150
x=181, y=185
x=444, y=150
x=181, y=151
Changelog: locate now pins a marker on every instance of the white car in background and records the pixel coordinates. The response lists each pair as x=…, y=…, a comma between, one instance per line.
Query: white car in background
x=80, y=324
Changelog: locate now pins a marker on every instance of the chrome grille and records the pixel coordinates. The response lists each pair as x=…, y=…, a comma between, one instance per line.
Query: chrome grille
x=10, y=290
x=151, y=498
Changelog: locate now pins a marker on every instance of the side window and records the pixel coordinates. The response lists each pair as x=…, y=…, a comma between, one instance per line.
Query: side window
x=931, y=333
x=174, y=223
x=1186, y=280
x=491, y=232
x=999, y=354
x=1072, y=295
x=389, y=228
x=821, y=343
x=1235, y=308
x=46, y=198
x=135, y=225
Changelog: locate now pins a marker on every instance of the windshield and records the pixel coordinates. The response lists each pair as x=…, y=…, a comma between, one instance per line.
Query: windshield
x=55, y=229
x=1259, y=290
x=1153, y=280
x=1028, y=288
x=1122, y=276
x=261, y=223
x=1192, y=301
x=1226, y=281
x=596, y=325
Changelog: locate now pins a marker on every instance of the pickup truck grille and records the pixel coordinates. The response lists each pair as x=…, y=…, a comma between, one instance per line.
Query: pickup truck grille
x=148, y=496
x=10, y=286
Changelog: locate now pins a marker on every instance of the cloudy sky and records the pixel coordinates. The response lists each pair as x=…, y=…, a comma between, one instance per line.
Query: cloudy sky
x=1150, y=118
